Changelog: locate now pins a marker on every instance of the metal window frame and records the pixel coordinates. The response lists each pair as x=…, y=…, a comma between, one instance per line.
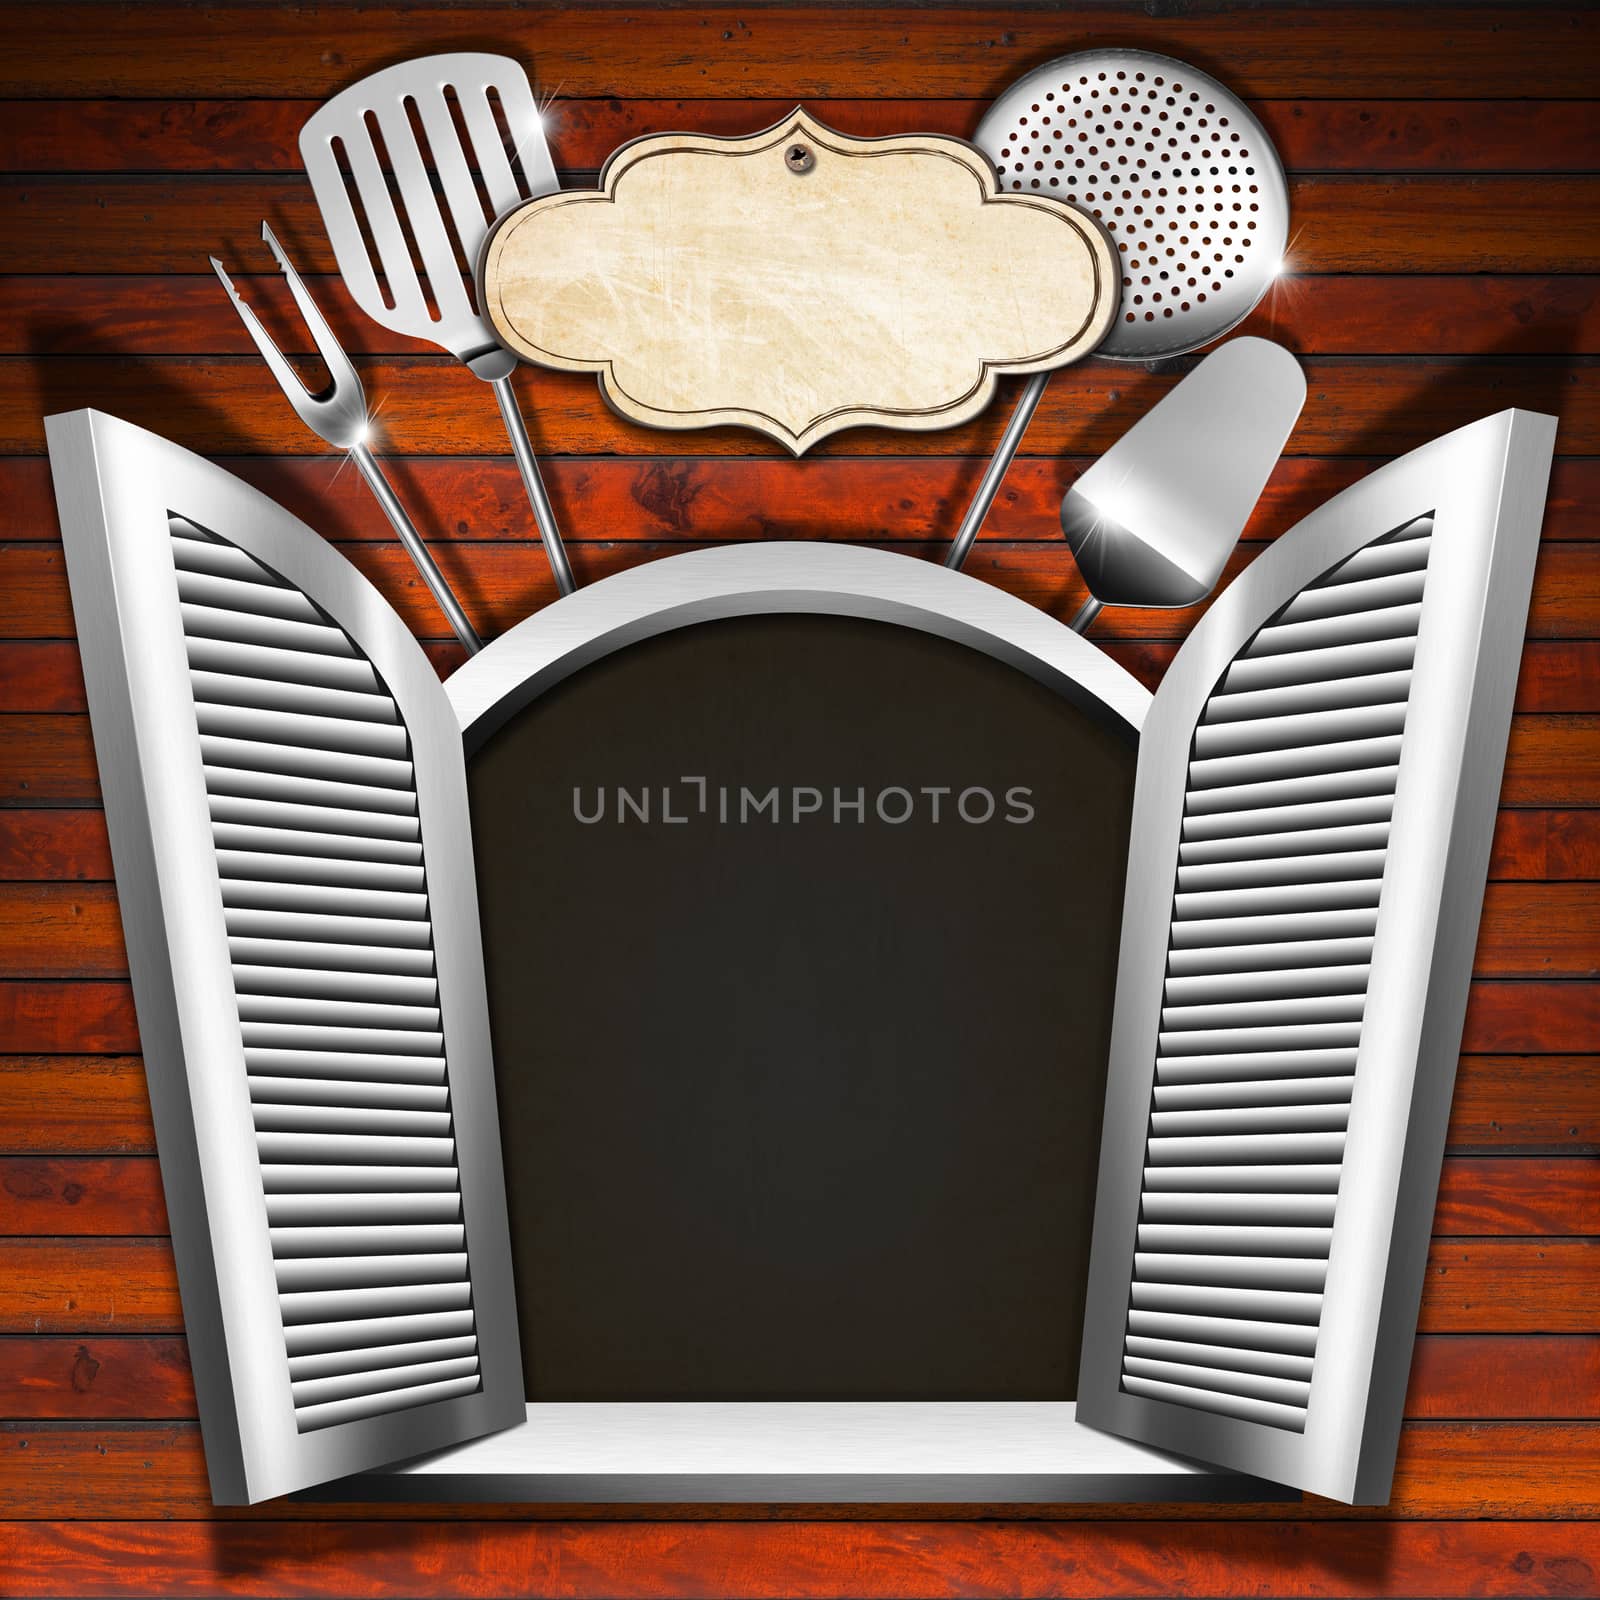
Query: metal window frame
x=1485, y=486
x=116, y=487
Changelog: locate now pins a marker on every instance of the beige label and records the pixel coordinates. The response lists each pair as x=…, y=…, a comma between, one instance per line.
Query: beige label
x=799, y=281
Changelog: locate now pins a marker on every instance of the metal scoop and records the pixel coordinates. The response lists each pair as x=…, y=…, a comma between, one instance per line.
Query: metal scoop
x=435, y=116
x=339, y=415
x=1153, y=521
x=1178, y=172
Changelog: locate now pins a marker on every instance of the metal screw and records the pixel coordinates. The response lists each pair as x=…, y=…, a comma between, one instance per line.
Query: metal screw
x=799, y=158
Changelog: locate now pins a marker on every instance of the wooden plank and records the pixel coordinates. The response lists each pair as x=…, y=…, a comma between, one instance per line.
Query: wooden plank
x=245, y=136
x=82, y=1379
x=1453, y=1376
x=77, y=1286
x=1500, y=51
x=501, y=583
x=92, y=1105
x=88, y=1104
x=120, y=1196
x=1551, y=761
x=74, y=930
x=70, y=845
x=104, y=1197
x=180, y=313
x=1388, y=224
x=436, y=407
x=1507, y=1196
x=1557, y=676
x=1357, y=314
x=799, y=1559
x=61, y=845
x=667, y=498
x=1505, y=1016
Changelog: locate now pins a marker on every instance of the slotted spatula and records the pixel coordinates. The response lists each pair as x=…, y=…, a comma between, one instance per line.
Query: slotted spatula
x=408, y=251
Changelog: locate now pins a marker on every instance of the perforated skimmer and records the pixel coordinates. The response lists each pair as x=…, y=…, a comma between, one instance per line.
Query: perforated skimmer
x=1178, y=172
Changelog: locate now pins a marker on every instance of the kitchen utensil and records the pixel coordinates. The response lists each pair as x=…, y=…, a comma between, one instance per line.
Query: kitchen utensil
x=339, y=415
x=1151, y=523
x=408, y=253
x=1181, y=175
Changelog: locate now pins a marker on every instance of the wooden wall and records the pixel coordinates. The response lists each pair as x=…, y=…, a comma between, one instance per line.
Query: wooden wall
x=1445, y=258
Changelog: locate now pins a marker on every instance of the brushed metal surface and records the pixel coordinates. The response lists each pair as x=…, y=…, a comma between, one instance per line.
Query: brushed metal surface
x=1483, y=487
x=116, y=488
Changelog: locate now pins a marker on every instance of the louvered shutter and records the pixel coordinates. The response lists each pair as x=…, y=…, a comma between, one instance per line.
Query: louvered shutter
x=285, y=792
x=1315, y=799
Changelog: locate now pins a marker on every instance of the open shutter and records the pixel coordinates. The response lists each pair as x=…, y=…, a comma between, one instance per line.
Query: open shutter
x=285, y=793
x=1315, y=800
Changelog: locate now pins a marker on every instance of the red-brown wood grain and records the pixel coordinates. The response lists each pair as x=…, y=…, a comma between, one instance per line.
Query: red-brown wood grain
x=1478, y=1285
x=1490, y=51
x=96, y=1104
x=671, y=498
x=245, y=136
x=1444, y=264
x=133, y=1377
x=806, y=1560
x=119, y=1196
x=432, y=405
x=149, y=314
x=65, y=844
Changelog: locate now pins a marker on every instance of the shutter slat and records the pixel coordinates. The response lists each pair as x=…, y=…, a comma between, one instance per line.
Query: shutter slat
x=373, y=1239
x=1219, y=1239
x=1246, y=1067
x=1317, y=787
x=1330, y=1117
x=1289, y=1338
x=1267, y=1363
x=1304, y=699
x=389, y=988
x=308, y=699
x=1276, y=899
x=1359, y=922
x=1250, y=674
x=295, y=789
x=354, y=1066
x=1267, y=868
x=324, y=1178
x=327, y=899
x=360, y=1274
x=260, y=866
x=1254, y=1092
x=336, y=1363
x=273, y=633
x=355, y=1149
x=1214, y=1300
x=1280, y=1274
x=1209, y=1041
x=374, y=1333
x=1228, y=1405
x=1251, y=1385
x=311, y=1392
x=1250, y=1177
x=264, y=725
x=236, y=659
x=319, y=1036
x=1287, y=956
x=1337, y=724
x=369, y=1121
x=348, y=1013
x=1251, y=1013
x=310, y=1418
x=351, y=1210
x=342, y=1092
x=1248, y=825
x=1362, y=627
x=361, y=824
x=1214, y=988
x=389, y=1300
x=1347, y=594
x=282, y=761
x=1234, y=1149
x=325, y=965
x=246, y=597
x=1265, y=1210
x=248, y=923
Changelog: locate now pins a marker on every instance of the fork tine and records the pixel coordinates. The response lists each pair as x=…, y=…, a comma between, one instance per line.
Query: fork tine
x=346, y=380
x=339, y=417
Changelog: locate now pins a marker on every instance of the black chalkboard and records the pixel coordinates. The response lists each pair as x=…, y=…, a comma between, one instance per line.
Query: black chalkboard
x=802, y=1108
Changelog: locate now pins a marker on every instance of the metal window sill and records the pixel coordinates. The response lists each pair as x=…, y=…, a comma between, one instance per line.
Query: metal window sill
x=800, y=1452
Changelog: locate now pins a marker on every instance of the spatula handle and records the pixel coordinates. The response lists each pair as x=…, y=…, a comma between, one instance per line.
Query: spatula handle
x=528, y=465
x=1021, y=416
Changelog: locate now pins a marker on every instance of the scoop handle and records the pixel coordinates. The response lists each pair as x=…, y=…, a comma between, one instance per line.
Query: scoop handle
x=989, y=486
